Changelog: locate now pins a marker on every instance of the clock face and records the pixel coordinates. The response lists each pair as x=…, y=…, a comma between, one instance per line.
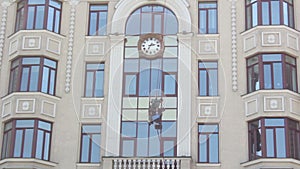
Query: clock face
x=151, y=46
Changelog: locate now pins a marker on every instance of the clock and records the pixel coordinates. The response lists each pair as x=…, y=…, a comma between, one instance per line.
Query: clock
x=151, y=46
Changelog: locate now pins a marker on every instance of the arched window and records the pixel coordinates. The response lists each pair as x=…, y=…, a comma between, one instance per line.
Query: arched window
x=149, y=102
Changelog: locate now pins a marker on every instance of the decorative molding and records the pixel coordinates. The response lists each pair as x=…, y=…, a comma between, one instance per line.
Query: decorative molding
x=6, y=109
x=294, y=106
x=249, y=43
x=91, y=111
x=73, y=4
x=251, y=107
x=48, y=108
x=31, y=42
x=5, y=4
x=293, y=42
x=13, y=47
x=53, y=46
x=95, y=48
x=234, y=47
x=270, y=39
x=25, y=106
x=208, y=46
x=274, y=103
x=208, y=110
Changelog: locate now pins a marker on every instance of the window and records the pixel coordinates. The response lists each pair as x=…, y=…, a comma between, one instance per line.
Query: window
x=90, y=143
x=274, y=138
x=27, y=138
x=269, y=12
x=208, y=78
x=271, y=71
x=39, y=14
x=33, y=74
x=98, y=20
x=208, y=17
x=94, y=80
x=208, y=145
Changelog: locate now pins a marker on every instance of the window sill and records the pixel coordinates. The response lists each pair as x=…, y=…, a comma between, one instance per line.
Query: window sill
x=36, y=30
x=208, y=164
x=88, y=164
x=30, y=94
x=29, y=163
x=271, y=161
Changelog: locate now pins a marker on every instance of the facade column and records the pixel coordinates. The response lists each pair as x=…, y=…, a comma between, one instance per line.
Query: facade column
x=114, y=96
x=184, y=94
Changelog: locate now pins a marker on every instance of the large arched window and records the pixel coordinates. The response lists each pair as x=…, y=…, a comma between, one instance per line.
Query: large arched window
x=149, y=80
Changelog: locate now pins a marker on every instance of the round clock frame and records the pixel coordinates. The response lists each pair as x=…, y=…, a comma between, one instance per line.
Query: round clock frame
x=151, y=46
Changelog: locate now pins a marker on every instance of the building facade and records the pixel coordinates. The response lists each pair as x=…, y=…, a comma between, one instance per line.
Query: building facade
x=149, y=84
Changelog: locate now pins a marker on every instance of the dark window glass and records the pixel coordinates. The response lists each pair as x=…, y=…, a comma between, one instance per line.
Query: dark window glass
x=208, y=17
x=90, y=143
x=274, y=138
x=208, y=78
x=208, y=143
x=38, y=75
x=39, y=15
x=269, y=12
x=271, y=71
x=27, y=139
x=94, y=80
x=98, y=20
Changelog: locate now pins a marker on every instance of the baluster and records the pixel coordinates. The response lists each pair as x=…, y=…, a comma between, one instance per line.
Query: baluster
x=115, y=164
x=178, y=164
x=144, y=164
x=158, y=163
x=129, y=163
x=149, y=164
x=173, y=164
x=120, y=163
x=125, y=164
x=153, y=163
x=134, y=164
x=168, y=164
x=163, y=164
x=139, y=164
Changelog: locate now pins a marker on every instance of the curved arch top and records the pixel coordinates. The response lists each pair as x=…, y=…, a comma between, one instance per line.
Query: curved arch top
x=126, y=7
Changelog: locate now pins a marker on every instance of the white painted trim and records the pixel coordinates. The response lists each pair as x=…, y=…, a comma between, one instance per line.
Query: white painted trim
x=275, y=44
x=291, y=106
x=255, y=43
x=214, y=51
x=10, y=52
x=209, y=104
x=288, y=42
x=101, y=51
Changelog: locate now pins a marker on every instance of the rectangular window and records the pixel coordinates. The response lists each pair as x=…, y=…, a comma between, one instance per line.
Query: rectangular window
x=27, y=139
x=97, y=20
x=94, y=80
x=208, y=17
x=39, y=15
x=274, y=138
x=90, y=143
x=33, y=74
x=208, y=78
x=208, y=143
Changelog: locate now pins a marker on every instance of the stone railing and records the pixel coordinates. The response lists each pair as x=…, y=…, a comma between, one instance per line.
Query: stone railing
x=146, y=163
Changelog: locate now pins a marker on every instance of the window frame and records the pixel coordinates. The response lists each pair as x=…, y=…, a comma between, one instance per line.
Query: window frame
x=261, y=76
x=207, y=141
x=207, y=18
x=15, y=85
x=208, y=80
x=98, y=13
x=259, y=14
x=34, y=141
x=94, y=71
x=253, y=140
x=22, y=24
x=90, y=136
